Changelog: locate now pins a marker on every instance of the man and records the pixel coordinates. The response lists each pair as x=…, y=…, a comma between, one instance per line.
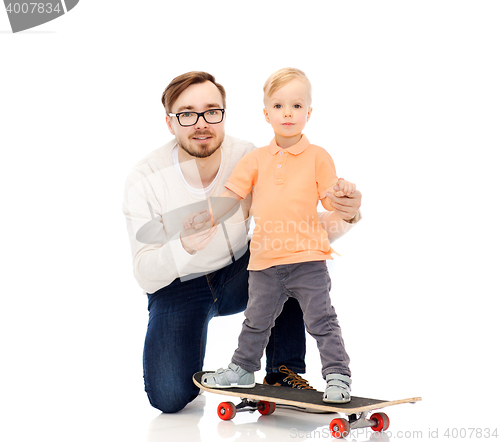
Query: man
x=192, y=276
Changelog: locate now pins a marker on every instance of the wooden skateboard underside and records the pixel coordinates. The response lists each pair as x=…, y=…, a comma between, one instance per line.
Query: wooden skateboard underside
x=301, y=398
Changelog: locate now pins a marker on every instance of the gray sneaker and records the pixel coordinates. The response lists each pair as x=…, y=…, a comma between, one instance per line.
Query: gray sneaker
x=338, y=389
x=234, y=376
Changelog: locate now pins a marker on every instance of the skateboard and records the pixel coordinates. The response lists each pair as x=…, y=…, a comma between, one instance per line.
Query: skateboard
x=263, y=398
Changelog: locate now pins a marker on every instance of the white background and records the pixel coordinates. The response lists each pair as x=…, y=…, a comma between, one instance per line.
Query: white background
x=406, y=99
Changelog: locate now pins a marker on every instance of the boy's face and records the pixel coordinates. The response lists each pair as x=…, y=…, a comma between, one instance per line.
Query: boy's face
x=288, y=110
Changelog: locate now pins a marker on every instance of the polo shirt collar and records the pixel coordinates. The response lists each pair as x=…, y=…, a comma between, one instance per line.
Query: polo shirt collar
x=296, y=149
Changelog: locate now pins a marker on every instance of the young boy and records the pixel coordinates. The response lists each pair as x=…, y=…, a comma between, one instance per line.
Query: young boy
x=289, y=247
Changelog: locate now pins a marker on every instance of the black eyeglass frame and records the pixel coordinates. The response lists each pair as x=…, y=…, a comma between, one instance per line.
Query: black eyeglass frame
x=199, y=114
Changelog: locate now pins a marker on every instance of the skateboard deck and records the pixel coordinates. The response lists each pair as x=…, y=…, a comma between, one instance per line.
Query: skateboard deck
x=265, y=397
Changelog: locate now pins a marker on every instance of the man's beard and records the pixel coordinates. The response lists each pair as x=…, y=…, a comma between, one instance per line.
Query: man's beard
x=200, y=152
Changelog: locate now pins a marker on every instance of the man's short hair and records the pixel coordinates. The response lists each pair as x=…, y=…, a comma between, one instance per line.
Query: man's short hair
x=282, y=77
x=179, y=84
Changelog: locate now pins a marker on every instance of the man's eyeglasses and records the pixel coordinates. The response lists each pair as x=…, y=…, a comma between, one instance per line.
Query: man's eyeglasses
x=188, y=118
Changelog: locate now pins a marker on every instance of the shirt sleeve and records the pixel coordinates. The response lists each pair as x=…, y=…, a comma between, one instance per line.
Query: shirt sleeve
x=326, y=175
x=242, y=179
x=157, y=260
x=335, y=226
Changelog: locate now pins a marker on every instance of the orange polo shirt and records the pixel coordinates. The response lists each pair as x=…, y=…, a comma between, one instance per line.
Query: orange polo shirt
x=287, y=185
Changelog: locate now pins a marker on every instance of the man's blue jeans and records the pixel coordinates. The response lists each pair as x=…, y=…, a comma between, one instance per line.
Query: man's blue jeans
x=176, y=337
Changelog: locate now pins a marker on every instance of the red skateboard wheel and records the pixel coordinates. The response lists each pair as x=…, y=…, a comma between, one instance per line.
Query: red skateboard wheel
x=226, y=410
x=382, y=421
x=266, y=408
x=339, y=428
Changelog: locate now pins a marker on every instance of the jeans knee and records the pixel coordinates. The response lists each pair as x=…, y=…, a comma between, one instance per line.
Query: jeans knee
x=170, y=407
x=169, y=402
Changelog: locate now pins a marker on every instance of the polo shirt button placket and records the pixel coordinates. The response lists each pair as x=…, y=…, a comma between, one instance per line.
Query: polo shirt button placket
x=280, y=175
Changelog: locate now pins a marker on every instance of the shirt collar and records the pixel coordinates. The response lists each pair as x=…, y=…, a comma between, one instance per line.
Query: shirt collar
x=296, y=149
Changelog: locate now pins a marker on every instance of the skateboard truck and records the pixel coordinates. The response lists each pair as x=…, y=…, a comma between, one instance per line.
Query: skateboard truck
x=227, y=410
x=340, y=427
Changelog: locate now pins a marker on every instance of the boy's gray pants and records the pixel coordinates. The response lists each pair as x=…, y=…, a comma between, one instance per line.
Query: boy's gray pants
x=308, y=282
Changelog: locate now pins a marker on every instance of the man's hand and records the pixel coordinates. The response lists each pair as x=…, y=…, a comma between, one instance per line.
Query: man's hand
x=197, y=231
x=346, y=206
x=194, y=240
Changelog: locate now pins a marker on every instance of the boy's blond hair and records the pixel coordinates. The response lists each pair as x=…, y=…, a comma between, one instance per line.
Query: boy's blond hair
x=282, y=77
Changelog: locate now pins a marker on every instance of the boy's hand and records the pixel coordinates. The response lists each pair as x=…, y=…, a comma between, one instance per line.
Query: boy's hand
x=344, y=188
x=197, y=220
